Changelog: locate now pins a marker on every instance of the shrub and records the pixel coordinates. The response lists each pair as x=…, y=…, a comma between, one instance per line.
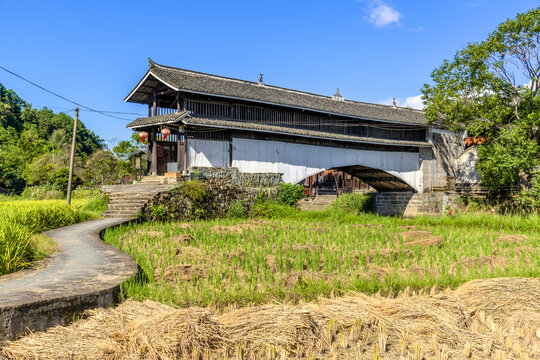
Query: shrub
x=354, y=203
x=41, y=192
x=158, y=212
x=529, y=200
x=290, y=194
x=194, y=200
x=273, y=209
x=60, y=180
x=97, y=204
x=237, y=210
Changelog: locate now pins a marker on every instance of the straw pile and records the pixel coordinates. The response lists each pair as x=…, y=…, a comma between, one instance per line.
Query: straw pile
x=484, y=319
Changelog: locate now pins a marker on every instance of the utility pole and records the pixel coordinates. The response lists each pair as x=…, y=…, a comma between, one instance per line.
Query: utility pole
x=72, y=158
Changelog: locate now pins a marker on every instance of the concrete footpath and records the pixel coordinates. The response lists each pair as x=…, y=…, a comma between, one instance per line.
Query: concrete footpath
x=83, y=273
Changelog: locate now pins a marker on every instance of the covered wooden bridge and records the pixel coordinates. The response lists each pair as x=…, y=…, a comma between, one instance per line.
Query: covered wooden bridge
x=216, y=121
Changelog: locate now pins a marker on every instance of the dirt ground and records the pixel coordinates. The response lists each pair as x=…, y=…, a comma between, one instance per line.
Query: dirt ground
x=483, y=319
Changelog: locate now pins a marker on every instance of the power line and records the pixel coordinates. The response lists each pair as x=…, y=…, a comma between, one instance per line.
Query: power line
x=62, y=97
x=103, y=111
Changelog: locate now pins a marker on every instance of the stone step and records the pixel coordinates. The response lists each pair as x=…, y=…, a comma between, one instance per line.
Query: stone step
x=129, y=202
x=137, y=194
x=120, y=213
x=125, y=208
x=131, y=198
x=128, y=199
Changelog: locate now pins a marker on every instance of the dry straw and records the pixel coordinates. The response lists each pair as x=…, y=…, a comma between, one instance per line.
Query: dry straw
x=482, y=320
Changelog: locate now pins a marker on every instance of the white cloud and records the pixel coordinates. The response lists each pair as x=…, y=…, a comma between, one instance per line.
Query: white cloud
x=382, y=15
x=414, y=102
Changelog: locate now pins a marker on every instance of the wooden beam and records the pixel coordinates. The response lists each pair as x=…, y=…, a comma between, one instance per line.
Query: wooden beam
x=183, y=103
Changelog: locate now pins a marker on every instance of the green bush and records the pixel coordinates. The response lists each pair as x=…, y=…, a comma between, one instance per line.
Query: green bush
x=290, y=194
x=237, y=210
x=529, y=200
x=194, y=200
x=41, y=192
x=354, y=203
x=158, y=212
x=273, y=209
x=98, y=204
x=60, y=179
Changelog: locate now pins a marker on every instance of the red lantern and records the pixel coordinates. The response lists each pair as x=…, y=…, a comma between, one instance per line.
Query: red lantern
x=143, y=134
x=165, y=132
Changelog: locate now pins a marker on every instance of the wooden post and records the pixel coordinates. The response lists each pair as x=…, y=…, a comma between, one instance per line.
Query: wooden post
x=336, y=180
x=154, y=105
x=149, y=108
x=153, y=164
x=186, y=164
x=178, y=106
x=230, y=152
x=72, y=158
x=180, y=154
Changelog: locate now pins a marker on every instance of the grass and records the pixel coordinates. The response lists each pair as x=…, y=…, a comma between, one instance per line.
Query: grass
x=310, y=254
x=21, y=221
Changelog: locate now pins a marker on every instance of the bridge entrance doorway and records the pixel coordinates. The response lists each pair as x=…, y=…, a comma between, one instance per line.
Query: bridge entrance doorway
x=334, y=182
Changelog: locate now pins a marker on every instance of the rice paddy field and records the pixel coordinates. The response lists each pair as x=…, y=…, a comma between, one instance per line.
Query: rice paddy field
x=245, y=262
x=316, y=285
x=21, y=221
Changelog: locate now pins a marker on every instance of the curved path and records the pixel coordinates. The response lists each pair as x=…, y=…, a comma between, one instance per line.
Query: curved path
x=85, y=272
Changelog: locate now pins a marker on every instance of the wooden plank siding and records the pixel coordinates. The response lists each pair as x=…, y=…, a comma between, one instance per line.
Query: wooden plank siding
x=298, y=119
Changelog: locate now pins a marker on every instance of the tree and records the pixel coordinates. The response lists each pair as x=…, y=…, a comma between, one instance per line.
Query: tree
x=10, y=109
x=101, y=168
x=124, y=152
x=60, y=180
x=491, y=89
x=40, y=170
x=27, y=134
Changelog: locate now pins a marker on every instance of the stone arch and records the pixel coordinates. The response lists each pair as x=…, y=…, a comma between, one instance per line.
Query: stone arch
x=378, y=179
x=398, y=169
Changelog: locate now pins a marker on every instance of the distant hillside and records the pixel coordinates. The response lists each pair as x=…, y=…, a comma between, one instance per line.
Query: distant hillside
x=34, y=144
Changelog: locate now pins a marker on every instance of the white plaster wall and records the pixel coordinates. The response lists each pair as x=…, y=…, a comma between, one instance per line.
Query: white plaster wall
x=298, y=161
x=208, y=153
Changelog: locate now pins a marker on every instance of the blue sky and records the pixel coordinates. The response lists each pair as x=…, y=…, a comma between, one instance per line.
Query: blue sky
x=95, y=52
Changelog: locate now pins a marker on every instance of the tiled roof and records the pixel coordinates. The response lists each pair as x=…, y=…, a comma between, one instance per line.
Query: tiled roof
x=196, y=82
x=157, y=120
x=187, y=119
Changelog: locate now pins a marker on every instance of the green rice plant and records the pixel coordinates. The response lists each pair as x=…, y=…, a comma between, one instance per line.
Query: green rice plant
x=21, y=219
x=15, y=247
x=303, y=256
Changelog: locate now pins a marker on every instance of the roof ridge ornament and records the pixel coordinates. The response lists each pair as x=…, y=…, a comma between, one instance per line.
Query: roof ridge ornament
x=337, y=96
x=261, y=79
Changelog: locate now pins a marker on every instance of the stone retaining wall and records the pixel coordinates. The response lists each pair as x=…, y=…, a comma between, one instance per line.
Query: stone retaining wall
x=411, y=204
x=248, y=180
